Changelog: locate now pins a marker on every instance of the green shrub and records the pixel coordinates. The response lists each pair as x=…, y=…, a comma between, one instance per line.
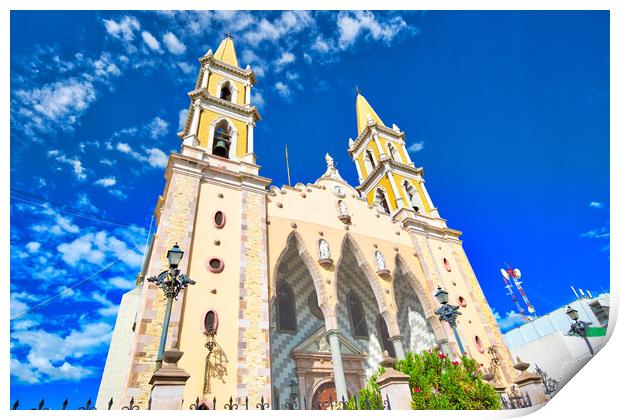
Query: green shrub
x=437, y=383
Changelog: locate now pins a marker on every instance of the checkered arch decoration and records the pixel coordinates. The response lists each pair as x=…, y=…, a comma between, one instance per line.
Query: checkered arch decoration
x=415, y=330
x=292, y=270
x=350, y=277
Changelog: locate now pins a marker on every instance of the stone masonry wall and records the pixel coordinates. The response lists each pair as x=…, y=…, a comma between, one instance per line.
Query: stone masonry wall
x=253, y=372
x=176, y=224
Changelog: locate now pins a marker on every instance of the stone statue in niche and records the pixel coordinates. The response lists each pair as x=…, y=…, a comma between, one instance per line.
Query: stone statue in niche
x=380, y=261
x=324, y=253
x=342, y=206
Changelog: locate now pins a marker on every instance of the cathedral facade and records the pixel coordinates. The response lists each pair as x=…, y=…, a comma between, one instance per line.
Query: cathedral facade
x=305, y=284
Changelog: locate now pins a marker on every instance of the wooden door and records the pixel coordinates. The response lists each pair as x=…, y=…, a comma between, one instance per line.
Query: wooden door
x=325, y=397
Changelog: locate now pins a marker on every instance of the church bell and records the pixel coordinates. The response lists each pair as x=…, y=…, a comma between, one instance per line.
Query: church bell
x=221, y=148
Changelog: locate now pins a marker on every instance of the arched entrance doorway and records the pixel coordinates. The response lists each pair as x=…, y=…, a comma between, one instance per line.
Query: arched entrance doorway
x=324, y=396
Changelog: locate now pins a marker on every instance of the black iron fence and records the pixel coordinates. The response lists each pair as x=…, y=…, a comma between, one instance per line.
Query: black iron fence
x=515, y=399
x=231, y=404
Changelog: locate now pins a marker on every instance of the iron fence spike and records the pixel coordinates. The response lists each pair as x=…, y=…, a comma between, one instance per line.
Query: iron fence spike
x=16, y=404
x=110, y=403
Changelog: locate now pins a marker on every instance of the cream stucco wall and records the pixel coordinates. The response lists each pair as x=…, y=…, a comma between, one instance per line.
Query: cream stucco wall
x=217, y=291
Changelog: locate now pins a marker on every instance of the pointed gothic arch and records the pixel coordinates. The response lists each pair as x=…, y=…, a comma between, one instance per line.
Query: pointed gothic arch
x=372, y=279
x=294, y=240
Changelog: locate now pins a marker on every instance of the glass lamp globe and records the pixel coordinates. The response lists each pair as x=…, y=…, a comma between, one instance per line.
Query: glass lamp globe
x=441, y=295
x=572, y=313
x=175, y=254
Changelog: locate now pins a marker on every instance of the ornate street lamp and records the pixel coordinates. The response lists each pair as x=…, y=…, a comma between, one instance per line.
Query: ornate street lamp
x=448, y=313
x=291, y=403
x=579, y=327
x=171, y=281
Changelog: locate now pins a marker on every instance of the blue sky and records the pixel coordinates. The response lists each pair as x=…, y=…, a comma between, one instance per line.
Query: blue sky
x=508, y=113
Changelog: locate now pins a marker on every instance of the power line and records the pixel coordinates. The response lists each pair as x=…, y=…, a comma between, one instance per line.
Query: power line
x=46, y=301
x=76, y=214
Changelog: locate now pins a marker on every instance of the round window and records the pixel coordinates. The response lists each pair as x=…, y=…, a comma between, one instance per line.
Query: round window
x=462, y=302
x=215, y=265
x=479, y=344
x=219, y=220
x=446, y=264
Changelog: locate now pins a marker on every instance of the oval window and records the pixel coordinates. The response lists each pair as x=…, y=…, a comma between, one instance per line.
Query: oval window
x=479, y=344
x=210, y=322
x=446, y=264
x=462, y=302
x=219, y=220
x=215, y=265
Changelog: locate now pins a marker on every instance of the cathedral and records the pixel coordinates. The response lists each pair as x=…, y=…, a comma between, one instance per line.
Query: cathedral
x=299, y=289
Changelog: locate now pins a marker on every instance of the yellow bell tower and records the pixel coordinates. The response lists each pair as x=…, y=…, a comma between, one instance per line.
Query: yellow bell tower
x=221, y=118
x=388, y=178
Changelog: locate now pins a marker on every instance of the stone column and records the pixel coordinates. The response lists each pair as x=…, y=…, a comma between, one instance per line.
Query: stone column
x=394, y=385
x=530, y=384
x=168, y=383
x=397, y=341
x=339, y=380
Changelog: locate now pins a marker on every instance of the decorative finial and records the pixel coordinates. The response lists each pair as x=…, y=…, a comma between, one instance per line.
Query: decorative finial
x=228, y=35
x=357, y=90
x=329, y=160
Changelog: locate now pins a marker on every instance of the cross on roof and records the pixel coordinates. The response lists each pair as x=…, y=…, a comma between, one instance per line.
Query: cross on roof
x=228, y=35
x=357, y=90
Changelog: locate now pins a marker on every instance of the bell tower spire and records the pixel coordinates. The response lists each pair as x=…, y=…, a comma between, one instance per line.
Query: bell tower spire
x=388, y=178
x=221, y=117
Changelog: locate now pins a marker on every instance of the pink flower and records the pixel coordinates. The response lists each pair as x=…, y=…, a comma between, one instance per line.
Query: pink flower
x=442, y=356
x=416, y=389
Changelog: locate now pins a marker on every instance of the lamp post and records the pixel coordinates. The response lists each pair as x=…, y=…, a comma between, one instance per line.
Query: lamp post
x=448, y=313
x=579, y=327
x=171, y=281
x=291, y=404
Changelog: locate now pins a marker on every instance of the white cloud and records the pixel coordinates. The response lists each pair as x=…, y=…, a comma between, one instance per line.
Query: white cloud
x=182, y=118
x=106, y=182
x=122, y=283
x=74, y=163
x=173, y=44
x=157, y=128
x=151, y=41
x=352, y=25
x=157, y=158
x=285, y=59
x=185, y=67
x=508, y=321
x=104, y=66
x=289, y=22
x=61, y=226
x=56, y=105
x=257, y=99
x=599, y=233
x=283, y=89
x=154, y=156
x=322, y=45
x=33, y=247
x=47, y=355
x=596, y=204
x=93, y=248
x=416, y=147
x=122, y=29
